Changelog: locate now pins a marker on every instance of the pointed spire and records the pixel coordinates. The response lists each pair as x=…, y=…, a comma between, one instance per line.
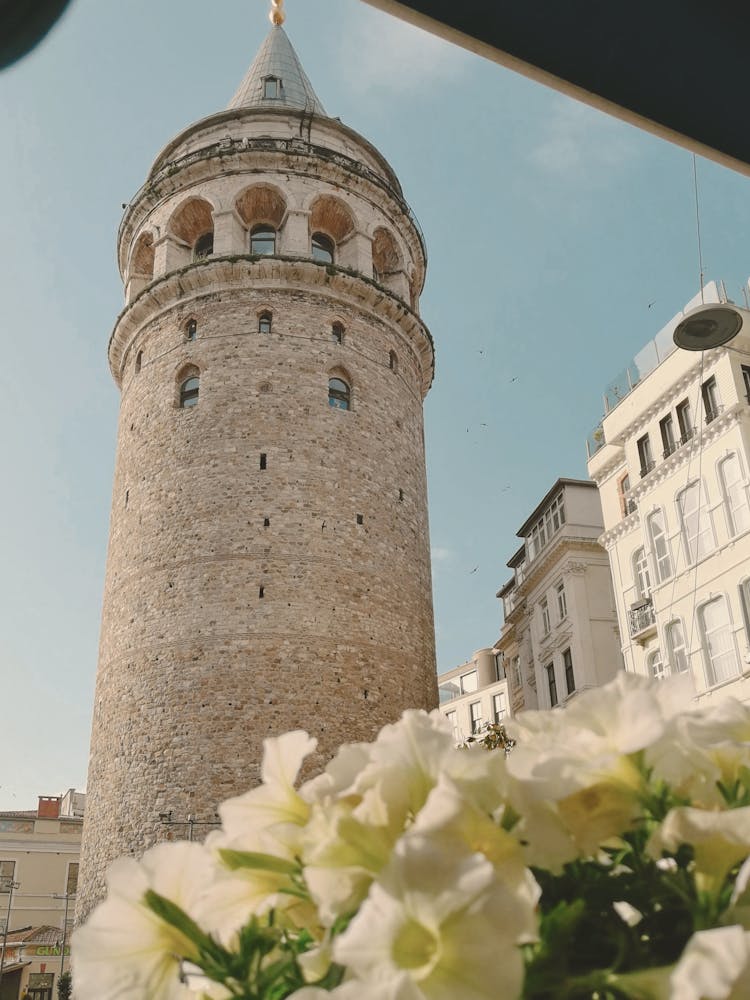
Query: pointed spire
x=276, y=79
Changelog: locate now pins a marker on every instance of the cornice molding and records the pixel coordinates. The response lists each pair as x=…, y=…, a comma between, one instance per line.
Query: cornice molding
x=218, y=274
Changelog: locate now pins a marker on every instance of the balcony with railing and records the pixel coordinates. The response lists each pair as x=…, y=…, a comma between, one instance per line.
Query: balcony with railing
x=713, y=412
x=642, y=620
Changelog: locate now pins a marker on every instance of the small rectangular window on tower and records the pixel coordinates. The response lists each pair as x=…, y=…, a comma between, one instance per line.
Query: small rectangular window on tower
x=360, y=519
x=263, y=463
x=261, y=591
x=266, y=522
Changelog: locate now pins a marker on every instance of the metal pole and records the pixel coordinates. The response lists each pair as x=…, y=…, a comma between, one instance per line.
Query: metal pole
x=65, y=930
x=11, y=886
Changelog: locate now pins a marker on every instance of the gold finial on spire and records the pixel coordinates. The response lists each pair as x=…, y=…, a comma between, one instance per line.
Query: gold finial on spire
x=277, y=15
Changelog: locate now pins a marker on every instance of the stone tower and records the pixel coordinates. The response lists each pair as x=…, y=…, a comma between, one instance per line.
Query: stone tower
x=268, y=563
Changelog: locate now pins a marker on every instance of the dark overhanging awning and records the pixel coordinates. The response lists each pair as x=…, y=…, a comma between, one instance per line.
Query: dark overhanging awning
x=677, y=68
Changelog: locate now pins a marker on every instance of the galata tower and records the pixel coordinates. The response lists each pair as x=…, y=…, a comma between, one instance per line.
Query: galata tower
x=268, y=564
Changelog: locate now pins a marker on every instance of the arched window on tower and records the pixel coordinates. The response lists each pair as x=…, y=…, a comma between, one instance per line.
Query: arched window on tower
x=191, y=329
x=138, y=361
x=339, y=394
x=264, y=322
x=203, y=246
x=337, y=333
x=393, y=361
x=189, y=389
x=263, y=240
x=322, y=248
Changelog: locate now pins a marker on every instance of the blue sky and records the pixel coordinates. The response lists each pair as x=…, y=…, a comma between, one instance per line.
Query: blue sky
x=559, y=240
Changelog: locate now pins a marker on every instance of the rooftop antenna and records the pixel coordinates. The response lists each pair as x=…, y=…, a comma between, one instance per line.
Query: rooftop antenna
x=276, y=15
x=709, y=325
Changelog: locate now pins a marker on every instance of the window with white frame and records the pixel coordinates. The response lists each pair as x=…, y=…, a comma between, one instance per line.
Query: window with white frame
x=516, y=672
x=659, y=545
x=570, y=679
x=71, y=882
x=498, y=707
x=656, y=667
x=718, y=642
x=735, y=494
x=745, y=603
x=475, y=712
x=550, y=522
x=468, y=682
x=676, y=648
x=451, y=717
x=551, y=684
x=562, y=601
x=697, y=533
x=544, y=614
x=7, y=871
x=641, y=576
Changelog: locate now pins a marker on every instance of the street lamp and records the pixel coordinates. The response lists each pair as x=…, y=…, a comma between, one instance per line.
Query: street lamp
x=709, y=325
x=8, y=885
x=165, y=818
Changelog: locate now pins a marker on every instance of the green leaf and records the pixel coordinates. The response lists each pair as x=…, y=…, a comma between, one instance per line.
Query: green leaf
x=176, y=917
x=257, y=861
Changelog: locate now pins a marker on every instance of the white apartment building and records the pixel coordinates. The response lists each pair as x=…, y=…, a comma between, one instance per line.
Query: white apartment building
x=560, y=630
x=671, y=460
x=474, y=693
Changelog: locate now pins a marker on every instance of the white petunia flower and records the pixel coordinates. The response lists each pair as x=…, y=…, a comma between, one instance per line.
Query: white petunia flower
x=444, y=920
x=584, y=762
x=275, y=805
x=720, y=840
x=715, y=965
x=125, y=951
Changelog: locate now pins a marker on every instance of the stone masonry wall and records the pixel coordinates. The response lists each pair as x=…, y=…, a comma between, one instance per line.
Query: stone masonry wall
x=196, y=668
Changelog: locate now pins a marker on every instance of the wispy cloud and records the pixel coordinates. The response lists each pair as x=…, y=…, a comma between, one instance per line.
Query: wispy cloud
x=382, y=56
x=579, y=141
x=440, y=554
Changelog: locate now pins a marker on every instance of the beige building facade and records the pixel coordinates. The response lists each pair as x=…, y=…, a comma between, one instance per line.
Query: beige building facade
x=39, y=858
x=268, y=564
x=560, y=631
x=474, y=694
x=671, y=459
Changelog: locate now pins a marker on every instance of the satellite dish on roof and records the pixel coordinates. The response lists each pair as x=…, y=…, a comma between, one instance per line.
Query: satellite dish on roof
x=709, y=325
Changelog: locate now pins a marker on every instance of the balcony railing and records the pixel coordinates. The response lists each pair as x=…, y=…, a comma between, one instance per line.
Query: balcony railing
x=629, y=506
x=687, y=435
x=670, y=448
x=713, y=413
x=647, y=467
x=641, y=617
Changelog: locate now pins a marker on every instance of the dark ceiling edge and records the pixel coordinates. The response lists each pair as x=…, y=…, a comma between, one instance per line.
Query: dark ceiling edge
x=601, y=103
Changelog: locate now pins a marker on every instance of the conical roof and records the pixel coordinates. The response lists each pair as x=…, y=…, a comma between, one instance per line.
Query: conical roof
x=277, y=61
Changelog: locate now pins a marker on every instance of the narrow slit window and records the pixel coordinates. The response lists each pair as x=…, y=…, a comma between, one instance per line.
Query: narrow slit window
x=189, y=390
x=339, y=394
x=261, y=591
x=263, y=460
x=337, y=333
x=191, y=329
x=266, y=522
x=138, y=362
x=360, y=519
x=393, y=361
x=264, y=322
